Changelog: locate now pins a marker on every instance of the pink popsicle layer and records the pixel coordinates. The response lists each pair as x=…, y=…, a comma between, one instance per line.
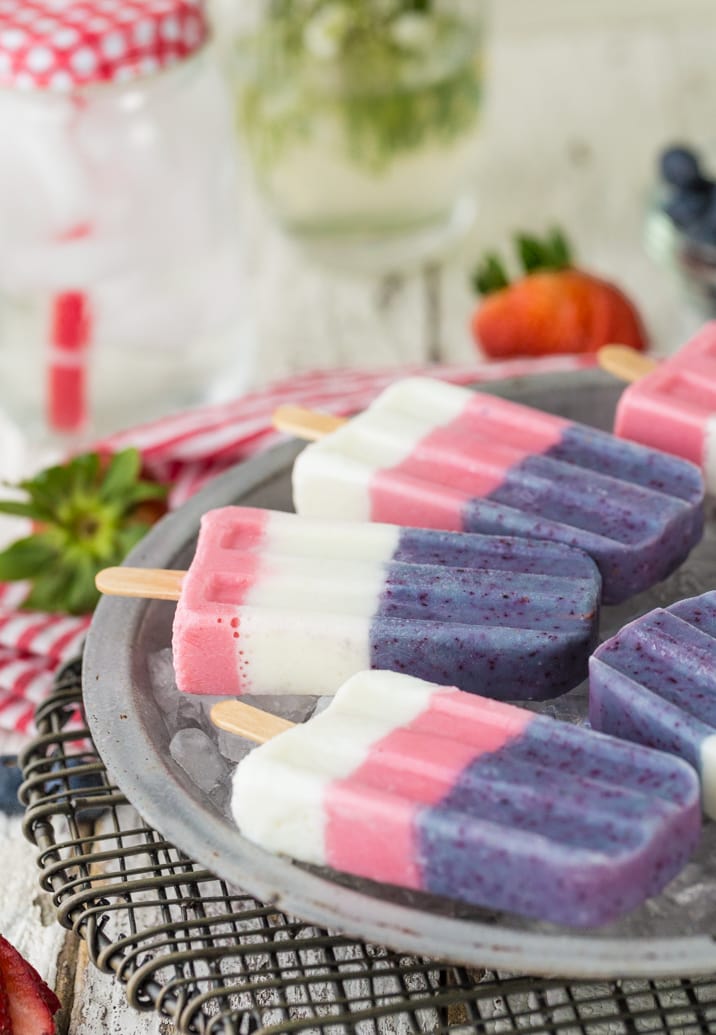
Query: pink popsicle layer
x=210, y=659
x=670, y=408
x=464, y=457
x=371, y=814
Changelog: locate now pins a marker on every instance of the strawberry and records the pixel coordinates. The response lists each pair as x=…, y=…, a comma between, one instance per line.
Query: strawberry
x=553, y=308
x=5, y=1022
x=27, y=1005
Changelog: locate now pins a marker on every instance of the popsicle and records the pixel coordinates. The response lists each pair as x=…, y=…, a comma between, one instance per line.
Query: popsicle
x=435, y=455
x=655, y=683
x=426, y=787
x=275, y=603
x=673, y=407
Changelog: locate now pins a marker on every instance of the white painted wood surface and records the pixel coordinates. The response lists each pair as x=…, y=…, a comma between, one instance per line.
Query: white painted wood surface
x=581, y=96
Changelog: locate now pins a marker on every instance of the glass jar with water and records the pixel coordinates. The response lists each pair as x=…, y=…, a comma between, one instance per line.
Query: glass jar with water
x=359, y=118
x=120, y=263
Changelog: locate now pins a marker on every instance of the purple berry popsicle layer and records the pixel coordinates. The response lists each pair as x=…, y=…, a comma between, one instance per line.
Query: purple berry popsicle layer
x=511, y=619
x=438, y=456
x=655, y=683
x=275, y=603
x=426, y=787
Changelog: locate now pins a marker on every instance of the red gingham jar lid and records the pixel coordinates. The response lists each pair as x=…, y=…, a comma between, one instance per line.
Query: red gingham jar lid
x=61, y=45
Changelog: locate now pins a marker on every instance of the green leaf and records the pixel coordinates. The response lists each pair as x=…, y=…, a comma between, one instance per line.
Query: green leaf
x=25, y=558
x=128, y=538
x=87, y=511
x=49, y=591
x=143, y=491
x=48, y=487
x=552, y=253
x=559, y=248
x=84, y=471
x=532, y=253
x=82, y=594
x=490, y=275
x=28, y=509
x=121, y=474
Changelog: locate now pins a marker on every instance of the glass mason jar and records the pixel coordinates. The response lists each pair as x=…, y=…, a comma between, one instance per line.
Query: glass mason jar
x=359, y=119
x=119, y=251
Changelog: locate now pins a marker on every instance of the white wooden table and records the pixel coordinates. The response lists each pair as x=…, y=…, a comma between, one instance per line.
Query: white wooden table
x=582, y=94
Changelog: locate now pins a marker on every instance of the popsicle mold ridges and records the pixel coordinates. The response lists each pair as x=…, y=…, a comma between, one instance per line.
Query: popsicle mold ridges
x=439, y=456
x=654, y=682
x=674, y=407
x=428, y=788
x=275, y=603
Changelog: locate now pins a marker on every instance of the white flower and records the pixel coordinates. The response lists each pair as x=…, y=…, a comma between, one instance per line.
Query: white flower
x=324, y=34
x=412, y=31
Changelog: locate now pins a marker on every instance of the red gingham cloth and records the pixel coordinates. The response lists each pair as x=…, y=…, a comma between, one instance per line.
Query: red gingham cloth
x=63, y=47
x=185, y=451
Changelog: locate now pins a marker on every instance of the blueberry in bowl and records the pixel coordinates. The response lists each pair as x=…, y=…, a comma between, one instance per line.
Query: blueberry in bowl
x=681, y=224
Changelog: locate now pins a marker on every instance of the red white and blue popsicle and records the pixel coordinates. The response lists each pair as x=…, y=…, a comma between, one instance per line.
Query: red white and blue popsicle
x=435, y=455
x=274, y=603
x=428, y=788
x=654, y=682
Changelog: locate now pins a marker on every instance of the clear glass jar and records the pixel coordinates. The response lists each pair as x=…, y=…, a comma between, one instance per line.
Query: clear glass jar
x=359, y=118
x=120, y=261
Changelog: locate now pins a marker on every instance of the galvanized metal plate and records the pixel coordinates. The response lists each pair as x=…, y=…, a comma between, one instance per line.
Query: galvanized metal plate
x=673, y=934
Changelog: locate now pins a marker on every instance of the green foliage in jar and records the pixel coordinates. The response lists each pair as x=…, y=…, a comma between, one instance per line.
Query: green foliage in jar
x=375, y=78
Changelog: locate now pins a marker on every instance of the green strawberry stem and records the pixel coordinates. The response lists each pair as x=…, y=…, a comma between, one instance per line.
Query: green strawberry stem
x=551, y=253
x=87, y=515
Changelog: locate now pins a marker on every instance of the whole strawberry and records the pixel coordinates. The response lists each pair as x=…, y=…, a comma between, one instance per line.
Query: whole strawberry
x=553, y=308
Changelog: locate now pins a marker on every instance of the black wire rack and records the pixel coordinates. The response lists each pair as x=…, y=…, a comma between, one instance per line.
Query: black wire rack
x=217, y=962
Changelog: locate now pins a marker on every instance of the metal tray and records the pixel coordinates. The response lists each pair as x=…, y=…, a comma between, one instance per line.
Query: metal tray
x=673, y=934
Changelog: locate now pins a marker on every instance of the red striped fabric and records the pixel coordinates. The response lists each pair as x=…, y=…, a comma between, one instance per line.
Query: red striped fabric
x=185, y=451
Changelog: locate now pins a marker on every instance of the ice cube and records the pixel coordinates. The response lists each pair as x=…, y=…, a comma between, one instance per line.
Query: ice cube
x=198, y=756
x=163, y=683
x=293, y=707
x=233, y=747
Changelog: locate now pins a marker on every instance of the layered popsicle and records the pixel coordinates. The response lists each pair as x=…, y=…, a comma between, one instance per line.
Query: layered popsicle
x=673, y=408
x=429, y=788
x=434, y=455
x=655, y=683
x=275, y=603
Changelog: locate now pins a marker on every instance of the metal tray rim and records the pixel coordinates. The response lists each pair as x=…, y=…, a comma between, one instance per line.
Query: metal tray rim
x=113, y=709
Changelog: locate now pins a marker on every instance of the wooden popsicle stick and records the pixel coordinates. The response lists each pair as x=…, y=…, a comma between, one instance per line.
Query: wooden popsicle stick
x=307, y=424
x=624, y=362
x=246, y=721
x=149, y=583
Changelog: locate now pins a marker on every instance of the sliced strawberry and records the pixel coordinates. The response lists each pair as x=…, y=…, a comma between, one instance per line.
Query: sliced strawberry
x=5, y=1022
x=31, y=1003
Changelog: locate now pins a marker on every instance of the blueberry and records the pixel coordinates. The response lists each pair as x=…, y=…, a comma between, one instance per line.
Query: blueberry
x=687, y=209
x=680, y=167
x=83, y=785
x=10, y=780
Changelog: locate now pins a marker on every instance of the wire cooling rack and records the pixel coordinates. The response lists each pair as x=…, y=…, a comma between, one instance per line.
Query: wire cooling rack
x=217, y=962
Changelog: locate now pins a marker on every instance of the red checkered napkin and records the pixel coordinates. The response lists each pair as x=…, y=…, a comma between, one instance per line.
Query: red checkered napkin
x=185, y=451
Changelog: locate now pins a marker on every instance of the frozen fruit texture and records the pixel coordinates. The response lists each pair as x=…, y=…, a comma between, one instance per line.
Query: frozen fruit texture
x=275, y=603
x=434, y=455
x=426, y=787
x=654, y=682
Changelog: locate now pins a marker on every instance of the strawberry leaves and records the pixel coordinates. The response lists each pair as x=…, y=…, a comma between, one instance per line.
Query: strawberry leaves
x=490, y=275
x=87, y=515
x=535, y=255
